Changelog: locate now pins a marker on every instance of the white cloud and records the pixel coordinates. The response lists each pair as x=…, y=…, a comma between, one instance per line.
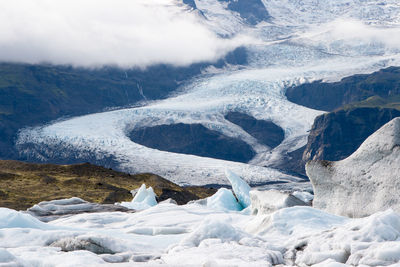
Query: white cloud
x=97, y=32
x=350, y=30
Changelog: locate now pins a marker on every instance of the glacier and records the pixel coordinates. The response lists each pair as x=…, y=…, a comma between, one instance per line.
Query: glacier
x=303, y=41
x=197, y=235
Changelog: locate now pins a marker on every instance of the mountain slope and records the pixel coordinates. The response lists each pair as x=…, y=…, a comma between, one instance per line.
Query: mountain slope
x=32, y=95
x=24, y=184
x=336, y=135
x=384, y=83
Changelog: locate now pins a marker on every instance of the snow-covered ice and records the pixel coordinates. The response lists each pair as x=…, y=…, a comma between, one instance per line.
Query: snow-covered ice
x=199, y=235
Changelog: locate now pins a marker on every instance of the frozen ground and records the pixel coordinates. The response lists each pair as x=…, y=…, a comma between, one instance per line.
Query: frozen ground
x=200, y=235
x=304, y=41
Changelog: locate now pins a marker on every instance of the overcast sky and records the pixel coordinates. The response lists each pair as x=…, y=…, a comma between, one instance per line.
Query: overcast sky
x=97, y=32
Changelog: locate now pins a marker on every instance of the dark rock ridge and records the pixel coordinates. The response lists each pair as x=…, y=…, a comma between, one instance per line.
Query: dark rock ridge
x=266, y=132
x=292, y=163
x=190, y=3
x=31, y=95
x=251, y=11
x=194, y=139
x=384, y=83
x=336, y=135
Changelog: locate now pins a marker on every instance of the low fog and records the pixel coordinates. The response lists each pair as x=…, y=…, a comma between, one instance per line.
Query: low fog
x=92, y=33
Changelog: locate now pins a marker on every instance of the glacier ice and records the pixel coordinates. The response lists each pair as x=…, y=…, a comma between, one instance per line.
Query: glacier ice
x=142, y=199
x=13, y=219
x=365, y=182
x=304, y=196
x=223, y=200
x=240, y=188
x=169, y=234
x=371, y=241
x=267, y=201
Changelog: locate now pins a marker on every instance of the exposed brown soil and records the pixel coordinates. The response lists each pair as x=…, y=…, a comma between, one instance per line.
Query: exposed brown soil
x=25, y=184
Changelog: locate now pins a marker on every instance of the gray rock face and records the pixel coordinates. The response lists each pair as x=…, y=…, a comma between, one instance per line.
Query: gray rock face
x=365, y=182
x=336, y=135
x=78, y=243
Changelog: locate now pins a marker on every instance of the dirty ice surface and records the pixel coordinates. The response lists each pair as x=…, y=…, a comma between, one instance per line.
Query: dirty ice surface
x=200, y=235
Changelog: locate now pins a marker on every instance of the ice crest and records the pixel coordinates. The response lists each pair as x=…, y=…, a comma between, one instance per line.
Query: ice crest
x=223, y=200
x=240, y=188
x=142, y=199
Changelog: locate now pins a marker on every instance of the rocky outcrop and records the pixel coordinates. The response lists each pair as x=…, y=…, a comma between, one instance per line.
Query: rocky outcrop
x=330, y=96
x=251, y=11
x=365, y=182
x=194, y=139
x=266, y=132
x=336, y=135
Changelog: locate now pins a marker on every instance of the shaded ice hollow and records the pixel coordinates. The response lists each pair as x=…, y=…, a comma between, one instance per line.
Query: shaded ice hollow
x=364, y=183
x=299, y=44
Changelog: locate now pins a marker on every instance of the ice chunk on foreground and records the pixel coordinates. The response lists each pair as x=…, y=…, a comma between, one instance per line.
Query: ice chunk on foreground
x=217, y=241
x=293, y=221
x=240, y=187
x=223, y=200
x=364, y=183
x=51, y=210
x=264, y=202
x=143, y=199
x=13, y=219
x=370, y=241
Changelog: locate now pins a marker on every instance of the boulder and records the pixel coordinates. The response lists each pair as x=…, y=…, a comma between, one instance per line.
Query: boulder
x=365, y=182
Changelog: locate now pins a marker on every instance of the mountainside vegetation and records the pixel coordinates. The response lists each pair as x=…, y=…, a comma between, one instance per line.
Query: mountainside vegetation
x=336, y=135
x=24, y=184
x=359, y=105
x=384, y=84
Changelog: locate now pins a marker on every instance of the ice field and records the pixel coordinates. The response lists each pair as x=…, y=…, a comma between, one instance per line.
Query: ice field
x=216, y=231
x=303, y=41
